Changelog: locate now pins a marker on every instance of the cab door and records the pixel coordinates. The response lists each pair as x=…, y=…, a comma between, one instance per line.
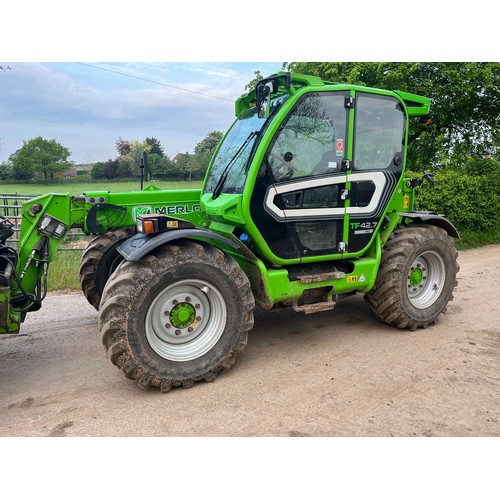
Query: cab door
x=298, y=202
x=377, y=166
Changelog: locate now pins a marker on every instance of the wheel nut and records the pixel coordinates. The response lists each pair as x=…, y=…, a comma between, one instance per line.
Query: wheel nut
x=168, y=325
x=197, y=306
x=167, y=313
x=177, y=332
x=175, y=302
x=188, y=299
x=198, y=318
x=190, y=329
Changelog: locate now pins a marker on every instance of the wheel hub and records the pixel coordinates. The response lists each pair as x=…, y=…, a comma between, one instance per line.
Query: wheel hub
x=182, y=315
x=416, y=275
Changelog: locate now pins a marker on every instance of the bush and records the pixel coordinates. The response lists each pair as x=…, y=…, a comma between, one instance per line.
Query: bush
x=5, y=170
x=469, y=201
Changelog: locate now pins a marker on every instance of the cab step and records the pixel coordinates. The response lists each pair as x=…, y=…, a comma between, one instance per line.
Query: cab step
x=314, y=278
x=314, y=308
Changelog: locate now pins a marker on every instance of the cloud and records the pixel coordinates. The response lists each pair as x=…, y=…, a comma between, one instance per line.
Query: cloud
x=86, y=109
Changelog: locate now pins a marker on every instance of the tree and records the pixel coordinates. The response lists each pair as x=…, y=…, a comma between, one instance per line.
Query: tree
x=130, y=162
x=185, y=165
x=5, y=170
x=253, y=83
x=465, y=100
x=204, y=151
x=40, y=155
x=155, y=146
x=98, y=170
x=122, y=146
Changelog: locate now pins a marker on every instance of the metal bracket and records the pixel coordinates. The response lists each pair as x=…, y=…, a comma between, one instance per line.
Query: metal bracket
x=349, y=102
x=342, y=246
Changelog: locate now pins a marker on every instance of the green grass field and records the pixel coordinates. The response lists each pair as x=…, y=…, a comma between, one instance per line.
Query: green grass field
x=79, y=188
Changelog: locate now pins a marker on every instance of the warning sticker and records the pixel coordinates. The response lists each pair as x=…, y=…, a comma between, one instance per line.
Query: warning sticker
x=339, y=147
x=406, y=201
x=352, y=279
x=362, y=278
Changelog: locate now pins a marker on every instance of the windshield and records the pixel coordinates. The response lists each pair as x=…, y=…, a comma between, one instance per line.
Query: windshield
x=240, y=132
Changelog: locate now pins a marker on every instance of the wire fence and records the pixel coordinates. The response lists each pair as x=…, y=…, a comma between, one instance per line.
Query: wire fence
x=11, y=208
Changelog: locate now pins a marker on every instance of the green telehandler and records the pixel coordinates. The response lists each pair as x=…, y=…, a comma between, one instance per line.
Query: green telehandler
x=305, y=202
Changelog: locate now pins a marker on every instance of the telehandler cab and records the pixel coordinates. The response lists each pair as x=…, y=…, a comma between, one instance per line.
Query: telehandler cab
x=305, y=202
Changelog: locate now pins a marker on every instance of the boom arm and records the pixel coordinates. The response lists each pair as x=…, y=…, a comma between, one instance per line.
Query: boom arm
x=23, y=274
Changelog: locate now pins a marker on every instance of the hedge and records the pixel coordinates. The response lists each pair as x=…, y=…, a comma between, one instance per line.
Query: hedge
x=468, y=201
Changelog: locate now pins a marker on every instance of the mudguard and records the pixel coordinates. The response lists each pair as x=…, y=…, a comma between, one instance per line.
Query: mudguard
x=140, y=244
x=433, y=219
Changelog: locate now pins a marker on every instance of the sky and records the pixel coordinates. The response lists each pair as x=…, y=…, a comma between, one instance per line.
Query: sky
x=87, y=106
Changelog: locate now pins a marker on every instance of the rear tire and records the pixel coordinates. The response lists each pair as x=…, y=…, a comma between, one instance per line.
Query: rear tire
x=99, y=261
x=416, y=278
x=179, y=315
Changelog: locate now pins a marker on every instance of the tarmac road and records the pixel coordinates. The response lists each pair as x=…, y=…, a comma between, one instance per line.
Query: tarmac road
x=337, y=373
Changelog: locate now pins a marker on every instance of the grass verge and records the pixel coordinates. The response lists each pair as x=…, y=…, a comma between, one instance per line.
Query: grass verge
x=473, y=239
x=63, y=271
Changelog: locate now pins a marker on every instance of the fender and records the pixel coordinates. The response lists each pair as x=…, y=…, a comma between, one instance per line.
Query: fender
x=432, y=218
x=140, y=244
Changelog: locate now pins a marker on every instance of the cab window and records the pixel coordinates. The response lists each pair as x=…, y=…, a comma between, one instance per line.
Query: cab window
x=311, y=141
x=379, y=131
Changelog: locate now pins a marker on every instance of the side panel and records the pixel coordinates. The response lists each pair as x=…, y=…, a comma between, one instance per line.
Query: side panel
x=181, y=204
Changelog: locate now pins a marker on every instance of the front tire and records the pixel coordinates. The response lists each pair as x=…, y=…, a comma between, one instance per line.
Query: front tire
x=416, y=278
x=179, y=315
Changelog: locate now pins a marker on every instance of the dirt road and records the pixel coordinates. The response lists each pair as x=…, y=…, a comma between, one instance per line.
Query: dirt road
x=339, y=373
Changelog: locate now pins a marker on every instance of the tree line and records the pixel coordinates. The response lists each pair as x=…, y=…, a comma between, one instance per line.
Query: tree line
x=43, y=160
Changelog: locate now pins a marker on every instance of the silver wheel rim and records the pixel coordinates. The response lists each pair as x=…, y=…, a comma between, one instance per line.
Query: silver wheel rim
x=186, y=320
x=426, y=279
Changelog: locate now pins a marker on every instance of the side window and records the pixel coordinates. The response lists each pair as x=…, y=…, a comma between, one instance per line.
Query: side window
x=379, y=132
x=311, y=140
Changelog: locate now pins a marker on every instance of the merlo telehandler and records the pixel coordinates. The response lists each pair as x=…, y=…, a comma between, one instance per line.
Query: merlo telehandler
x=305, y=202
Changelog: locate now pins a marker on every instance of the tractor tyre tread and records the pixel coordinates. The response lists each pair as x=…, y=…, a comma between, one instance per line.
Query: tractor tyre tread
x=97, y=261
x=125, y=348
x=387, y=299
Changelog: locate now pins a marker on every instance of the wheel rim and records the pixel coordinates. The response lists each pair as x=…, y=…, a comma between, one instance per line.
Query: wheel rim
x=185, y=320
x=426, y=279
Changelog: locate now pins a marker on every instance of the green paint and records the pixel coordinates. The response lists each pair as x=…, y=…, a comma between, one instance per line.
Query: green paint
x=182, y=315
x=416, y=276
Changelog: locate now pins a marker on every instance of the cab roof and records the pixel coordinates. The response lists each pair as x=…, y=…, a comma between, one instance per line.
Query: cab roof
x=290, y=83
